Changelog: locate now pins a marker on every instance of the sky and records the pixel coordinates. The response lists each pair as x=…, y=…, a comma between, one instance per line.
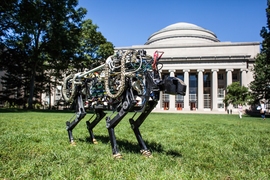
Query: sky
x=131, y=22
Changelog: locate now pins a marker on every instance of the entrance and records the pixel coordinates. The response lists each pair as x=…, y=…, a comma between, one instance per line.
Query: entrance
x=179, y=106
x=192, y=106
x=166, y=105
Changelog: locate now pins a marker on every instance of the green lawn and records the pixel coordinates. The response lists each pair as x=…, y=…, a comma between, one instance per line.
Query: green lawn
x=34, y=145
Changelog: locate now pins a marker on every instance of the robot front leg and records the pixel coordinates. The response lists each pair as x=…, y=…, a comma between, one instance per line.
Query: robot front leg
x=90, y=125
x=112, y=123
x=135, y=125
x=115, y=151
x=71, y=126
x=80, y=113
x=144, y=150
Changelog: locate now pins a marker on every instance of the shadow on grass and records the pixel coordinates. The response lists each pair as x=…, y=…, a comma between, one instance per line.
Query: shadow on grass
x=256, y=113
x=13, y=110
x=16, y=110
x=134, y=148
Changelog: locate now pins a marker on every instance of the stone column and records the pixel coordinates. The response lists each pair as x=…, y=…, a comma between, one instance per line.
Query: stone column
x=186, y=97
x=172, y=97
x=229, y=82
x=159, y=104
x=200, y=97
x=229, y=76
x=244, y=77
x=172, y=71
x=214, y=89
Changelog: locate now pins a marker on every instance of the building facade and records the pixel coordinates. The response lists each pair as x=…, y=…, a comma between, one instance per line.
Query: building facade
x=195, y=55
x=206, y=65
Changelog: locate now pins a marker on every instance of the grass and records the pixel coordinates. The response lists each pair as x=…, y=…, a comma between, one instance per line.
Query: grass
x=34, y=145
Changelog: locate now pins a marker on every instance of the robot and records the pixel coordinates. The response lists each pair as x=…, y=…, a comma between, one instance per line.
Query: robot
x=129, y=81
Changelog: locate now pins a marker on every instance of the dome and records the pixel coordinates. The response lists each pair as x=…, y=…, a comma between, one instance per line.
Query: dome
x=182, y=33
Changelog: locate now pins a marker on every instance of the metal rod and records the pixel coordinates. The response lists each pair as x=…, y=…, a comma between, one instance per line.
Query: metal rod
x=91, y=71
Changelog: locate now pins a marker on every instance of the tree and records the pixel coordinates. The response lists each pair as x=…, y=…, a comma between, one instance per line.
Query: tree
x=94, y=47
x=39, y=31
x=41, y=39
x=16, y=78
x=261, y=85
x=236, y=94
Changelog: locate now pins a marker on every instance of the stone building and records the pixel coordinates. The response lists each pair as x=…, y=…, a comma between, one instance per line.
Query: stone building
x=205, y=64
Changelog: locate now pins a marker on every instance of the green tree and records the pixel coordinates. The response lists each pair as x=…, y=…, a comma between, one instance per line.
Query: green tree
x=260, y=86
x=16, y=78
x=39, y=31
x=94, y=47
x=236, y=94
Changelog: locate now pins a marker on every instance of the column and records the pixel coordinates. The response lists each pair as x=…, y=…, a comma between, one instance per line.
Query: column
x=214, y=89
x=172, y=71
x=229, y=76
x=159, y=104
x=244, y=77
x=186, y=97
x=229, y=82
x=172, y=97
x=200, y=89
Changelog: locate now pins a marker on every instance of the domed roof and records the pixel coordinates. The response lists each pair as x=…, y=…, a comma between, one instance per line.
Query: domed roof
x=182, y=25
x=182, y=33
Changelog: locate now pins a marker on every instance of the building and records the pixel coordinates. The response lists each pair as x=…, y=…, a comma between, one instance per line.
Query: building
x=205, y=64
x=196, y=56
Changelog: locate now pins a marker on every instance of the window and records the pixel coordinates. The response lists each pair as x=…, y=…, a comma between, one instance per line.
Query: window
x=220, y=77
x=166, y=100
x=221, y=92
x=166, y=97
x=220, y=105
x=180, y=76
x=207, y=101
x=179, y=98
x=234, y=77
x=206, y=80
x=193, y=85
x=193, y=97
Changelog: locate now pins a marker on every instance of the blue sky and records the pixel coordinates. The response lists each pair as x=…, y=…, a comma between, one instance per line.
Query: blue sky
x=131, y=22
